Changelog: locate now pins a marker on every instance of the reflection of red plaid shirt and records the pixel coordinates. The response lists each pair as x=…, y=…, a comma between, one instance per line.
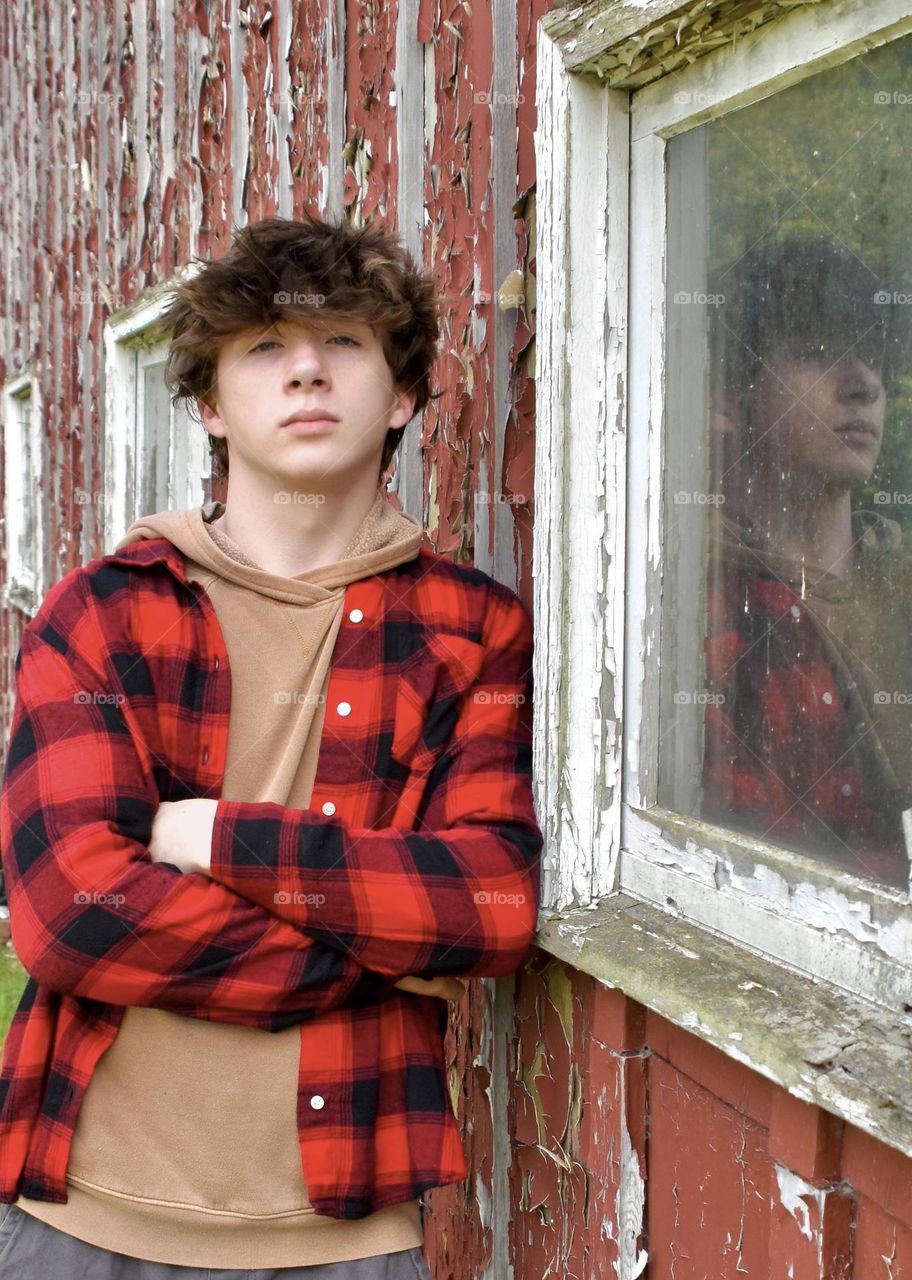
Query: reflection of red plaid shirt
x=428, y=865
x=790, y=749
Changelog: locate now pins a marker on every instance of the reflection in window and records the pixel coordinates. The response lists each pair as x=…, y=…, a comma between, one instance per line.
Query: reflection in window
x=786, y=698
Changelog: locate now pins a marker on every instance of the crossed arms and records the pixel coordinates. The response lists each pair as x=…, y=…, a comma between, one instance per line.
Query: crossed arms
x=94, y=915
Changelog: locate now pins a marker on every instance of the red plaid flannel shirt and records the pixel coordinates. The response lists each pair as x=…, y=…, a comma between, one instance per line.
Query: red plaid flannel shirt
x=791, y=747
x=428, y=864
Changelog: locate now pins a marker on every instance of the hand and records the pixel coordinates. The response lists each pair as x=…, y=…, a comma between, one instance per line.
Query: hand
x=182, y=834
x=445, y=988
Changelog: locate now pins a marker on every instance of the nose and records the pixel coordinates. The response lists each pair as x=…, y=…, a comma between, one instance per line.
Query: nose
x=859, y=381
x=306, y=363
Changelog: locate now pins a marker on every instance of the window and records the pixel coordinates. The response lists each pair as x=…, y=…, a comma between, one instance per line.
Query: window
x=24, y=471
x=785, y=661
x=724, y=480
x=156, y=453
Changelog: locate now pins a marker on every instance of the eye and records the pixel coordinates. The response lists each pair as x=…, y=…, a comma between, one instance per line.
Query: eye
x=267, y=342
x=344, y=337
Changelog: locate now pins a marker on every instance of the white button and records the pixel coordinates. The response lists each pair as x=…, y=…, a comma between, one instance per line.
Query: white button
x=828, y=698
x=316, y=1102
x=845, y=789
x=329, y=808
x=795, y=611
x=344, y=709
x=356, y=615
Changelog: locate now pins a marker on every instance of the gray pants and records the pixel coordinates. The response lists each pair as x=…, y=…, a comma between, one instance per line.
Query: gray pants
x=32, y=1250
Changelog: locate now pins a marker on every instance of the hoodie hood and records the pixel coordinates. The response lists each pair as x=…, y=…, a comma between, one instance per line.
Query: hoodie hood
x=384, y=539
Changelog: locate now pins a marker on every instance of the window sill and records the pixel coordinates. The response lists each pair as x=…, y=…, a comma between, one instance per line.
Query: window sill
x=823, y=1045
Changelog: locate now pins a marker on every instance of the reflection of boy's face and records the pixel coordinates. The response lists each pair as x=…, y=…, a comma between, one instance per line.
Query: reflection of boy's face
x=815, y=420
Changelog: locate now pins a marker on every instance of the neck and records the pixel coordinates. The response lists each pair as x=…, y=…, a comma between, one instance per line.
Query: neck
x=293, y=537
x=817, y=533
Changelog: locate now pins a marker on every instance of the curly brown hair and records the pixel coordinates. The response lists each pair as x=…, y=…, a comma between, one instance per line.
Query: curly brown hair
x=279, y=269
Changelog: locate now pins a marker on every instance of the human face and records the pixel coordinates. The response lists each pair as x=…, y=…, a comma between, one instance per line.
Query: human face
x=266, y=377
x=816, y=423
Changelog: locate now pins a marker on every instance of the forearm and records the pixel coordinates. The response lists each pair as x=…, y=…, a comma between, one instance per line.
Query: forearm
x=463, y=901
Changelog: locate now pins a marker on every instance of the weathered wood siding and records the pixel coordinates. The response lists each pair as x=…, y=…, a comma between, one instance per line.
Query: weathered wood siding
x=601, y=1139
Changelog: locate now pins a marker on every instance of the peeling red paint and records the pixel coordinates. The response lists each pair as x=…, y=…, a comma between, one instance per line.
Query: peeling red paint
x=636, y=1148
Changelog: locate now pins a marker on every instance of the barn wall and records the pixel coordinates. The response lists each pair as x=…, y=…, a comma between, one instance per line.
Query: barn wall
x=142, y=132
x=642, y=1150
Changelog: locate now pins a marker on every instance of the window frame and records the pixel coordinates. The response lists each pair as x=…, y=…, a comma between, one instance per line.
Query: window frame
x=599, y=454
x=25, y=580
x=133, y=341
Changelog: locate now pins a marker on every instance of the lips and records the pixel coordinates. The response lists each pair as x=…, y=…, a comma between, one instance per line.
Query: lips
x=309, y=415
x=857, y=430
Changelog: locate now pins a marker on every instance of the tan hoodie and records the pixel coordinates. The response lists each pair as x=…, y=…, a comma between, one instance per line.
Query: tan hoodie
x=186, y=1149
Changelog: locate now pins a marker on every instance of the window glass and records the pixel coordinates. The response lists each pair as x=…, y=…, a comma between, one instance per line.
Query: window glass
x=786, y=656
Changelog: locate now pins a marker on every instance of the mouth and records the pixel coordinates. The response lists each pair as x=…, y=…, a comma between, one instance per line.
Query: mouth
x=857, y=432
x=309, y=423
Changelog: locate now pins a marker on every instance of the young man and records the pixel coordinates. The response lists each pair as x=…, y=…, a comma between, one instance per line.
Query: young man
x=809, y=738
x=268, y=790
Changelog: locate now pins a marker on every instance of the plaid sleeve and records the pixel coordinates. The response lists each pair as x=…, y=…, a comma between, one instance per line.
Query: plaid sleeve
x=91, y=915
x=458, y=895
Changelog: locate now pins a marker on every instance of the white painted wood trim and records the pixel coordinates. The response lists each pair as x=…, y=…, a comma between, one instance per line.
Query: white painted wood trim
x=580, y=509
x=765, y=62
x=24, y=585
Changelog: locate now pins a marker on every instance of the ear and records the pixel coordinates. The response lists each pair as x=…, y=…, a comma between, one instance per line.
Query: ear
x=404, y=409
x=727, y=421
x=210, y=419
